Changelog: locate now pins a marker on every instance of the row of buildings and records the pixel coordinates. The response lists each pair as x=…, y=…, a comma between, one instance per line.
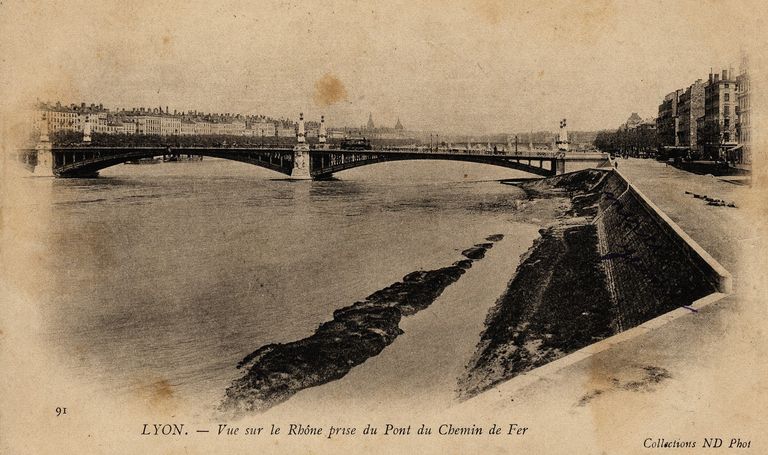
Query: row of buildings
x=98, y=119
x=709, y=118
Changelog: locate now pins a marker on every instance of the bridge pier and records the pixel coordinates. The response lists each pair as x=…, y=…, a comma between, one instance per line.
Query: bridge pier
x=44, y=149
x=44, y=166
x=300, y=169
x=558, y=166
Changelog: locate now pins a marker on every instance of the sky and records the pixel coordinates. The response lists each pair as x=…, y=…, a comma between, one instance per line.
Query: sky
x=480, y=66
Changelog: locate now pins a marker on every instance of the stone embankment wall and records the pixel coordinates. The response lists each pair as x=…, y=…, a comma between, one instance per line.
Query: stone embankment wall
x=652, y=266
x=612, y=261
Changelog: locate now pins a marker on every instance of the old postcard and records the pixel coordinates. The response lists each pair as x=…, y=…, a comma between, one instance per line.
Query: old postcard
x=478, y=226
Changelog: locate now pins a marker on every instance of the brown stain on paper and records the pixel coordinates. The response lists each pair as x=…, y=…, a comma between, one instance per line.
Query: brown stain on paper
x=637, y=379
x=491, y=11
x=329, y=90
x=159, y=395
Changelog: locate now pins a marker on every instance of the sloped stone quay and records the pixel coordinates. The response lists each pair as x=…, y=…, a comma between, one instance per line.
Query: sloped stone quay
x=276, y=372
x=608, y=263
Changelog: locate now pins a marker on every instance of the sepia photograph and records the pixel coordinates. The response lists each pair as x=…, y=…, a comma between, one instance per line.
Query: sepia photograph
x=477, y=226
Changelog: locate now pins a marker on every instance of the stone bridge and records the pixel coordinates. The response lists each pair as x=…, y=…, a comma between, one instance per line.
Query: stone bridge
x=87, y=161
x=299, y=162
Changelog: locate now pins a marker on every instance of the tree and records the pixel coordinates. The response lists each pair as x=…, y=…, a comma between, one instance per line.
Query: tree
x=635, y=141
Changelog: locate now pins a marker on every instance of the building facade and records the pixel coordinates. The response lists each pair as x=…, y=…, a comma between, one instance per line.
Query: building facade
x=170, y=125
x=667, y=121
x=690, y=108
x=744, y=126
x=262, y=129
x=720, y=102
x=286, y=131
x=61, y=119
x=633, y=121
x=147, y=124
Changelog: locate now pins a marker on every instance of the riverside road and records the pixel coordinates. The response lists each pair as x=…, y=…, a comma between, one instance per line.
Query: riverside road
x=686, y=379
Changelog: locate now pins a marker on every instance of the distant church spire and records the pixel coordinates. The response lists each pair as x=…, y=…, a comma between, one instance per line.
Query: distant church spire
x=398, y=125
x=370, y=121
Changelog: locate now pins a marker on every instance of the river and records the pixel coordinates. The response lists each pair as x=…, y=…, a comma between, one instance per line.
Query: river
x=174, y=272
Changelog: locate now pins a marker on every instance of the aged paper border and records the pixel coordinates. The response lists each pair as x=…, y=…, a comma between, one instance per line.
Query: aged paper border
x=709, y=401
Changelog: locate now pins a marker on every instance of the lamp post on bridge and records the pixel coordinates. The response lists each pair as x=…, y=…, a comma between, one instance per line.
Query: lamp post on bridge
x=530, y=142
x=322, y=136
x=561, y=147
x=562, y=140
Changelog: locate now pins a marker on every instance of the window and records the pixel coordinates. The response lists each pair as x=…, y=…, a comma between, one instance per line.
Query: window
x=726, y=109
x=727, y=97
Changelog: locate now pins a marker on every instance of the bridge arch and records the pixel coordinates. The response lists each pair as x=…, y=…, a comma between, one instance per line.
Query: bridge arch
x=88, y=161
x=325, y=166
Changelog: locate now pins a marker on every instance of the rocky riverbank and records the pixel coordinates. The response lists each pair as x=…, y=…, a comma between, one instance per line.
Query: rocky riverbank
x=357, y=332
x=604, y=265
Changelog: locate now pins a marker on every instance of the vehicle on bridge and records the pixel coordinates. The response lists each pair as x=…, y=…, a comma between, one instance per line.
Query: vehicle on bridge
x=359, y=143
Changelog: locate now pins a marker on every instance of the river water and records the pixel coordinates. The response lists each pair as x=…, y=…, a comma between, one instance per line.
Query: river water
x=174, y=272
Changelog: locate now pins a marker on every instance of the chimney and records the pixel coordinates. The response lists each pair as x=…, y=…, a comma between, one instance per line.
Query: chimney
x=725, y=75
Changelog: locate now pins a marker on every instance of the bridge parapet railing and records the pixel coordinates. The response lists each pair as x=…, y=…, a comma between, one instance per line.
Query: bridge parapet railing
x=472, y=152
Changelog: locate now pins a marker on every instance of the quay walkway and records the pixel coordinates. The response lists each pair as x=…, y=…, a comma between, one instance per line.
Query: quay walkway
x=699, y=375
